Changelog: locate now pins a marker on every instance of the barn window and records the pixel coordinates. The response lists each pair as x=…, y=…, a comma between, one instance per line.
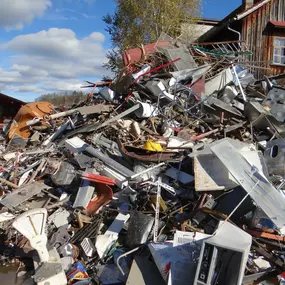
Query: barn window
x=279, y=51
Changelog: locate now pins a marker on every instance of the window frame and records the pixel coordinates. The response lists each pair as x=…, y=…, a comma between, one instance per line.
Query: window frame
x=281, y=47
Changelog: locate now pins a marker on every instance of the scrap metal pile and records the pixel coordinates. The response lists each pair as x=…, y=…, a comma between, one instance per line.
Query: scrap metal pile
x=172, y=173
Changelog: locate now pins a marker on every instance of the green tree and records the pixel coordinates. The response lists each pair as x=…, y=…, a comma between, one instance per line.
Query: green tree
x=66, y=98
x=136, y=22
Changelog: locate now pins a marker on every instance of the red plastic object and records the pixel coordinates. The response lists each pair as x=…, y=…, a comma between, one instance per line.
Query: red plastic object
x=98, y=178
x=104, y=195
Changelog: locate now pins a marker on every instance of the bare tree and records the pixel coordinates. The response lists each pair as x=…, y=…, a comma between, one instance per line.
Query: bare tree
x=66, y=99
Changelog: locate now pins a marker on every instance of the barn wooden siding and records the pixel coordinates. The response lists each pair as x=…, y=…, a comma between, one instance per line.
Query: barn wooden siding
x=260, y=38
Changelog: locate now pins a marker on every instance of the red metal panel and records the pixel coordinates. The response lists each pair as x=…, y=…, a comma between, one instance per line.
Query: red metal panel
x=136, y=54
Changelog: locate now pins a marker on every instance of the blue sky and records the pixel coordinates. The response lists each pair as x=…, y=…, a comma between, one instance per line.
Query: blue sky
x=218, y=9
x=52, y=45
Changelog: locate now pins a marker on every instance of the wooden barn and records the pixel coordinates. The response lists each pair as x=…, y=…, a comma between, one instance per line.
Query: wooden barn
x=260, y=24
x=9, y=107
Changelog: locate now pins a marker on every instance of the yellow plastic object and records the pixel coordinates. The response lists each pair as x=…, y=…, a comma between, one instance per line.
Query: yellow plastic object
x=26, y=113
x=152, y=146
x=162, y=204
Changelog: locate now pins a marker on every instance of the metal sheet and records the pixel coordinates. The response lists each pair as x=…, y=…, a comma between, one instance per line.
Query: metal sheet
x=186, y=60
x=85, y=110
x=59, y=238
x=275, y=102
x=22, y=194
x=216, y=181
x=211, y=174
x=85, y=192
x=274, y=156
x=254, y=182
x=262, y=119
x=111, y=146
x=94, y=127
x=94, y=109
x=219, y=82
x=196, y=73
x=180, y=176
x=121, y=181
x=119, y=116
x=117, y=224
x=78, y=145
x=144, y=272
x=60, y=218
x=64, y=175
x=216, y=103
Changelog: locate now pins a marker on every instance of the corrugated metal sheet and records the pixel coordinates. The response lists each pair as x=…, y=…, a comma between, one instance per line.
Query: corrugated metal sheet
x=260, y=37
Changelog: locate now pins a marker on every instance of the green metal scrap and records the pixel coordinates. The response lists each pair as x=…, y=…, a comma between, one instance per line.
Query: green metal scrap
x=215, y=52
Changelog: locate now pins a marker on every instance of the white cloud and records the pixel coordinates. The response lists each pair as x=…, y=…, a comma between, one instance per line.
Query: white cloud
x=68, y=14
x=29, y=88
x=66, y=85
x=78, y=2
x=15, y=13
x=53, y=60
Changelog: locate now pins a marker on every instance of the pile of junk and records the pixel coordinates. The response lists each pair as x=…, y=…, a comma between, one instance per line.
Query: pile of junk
x=171, y=173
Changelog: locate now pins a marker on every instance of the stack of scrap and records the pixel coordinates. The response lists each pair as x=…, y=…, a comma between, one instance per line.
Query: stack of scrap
x=172, y=173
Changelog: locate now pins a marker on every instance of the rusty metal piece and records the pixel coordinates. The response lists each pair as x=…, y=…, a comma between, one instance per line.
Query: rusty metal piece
x=214, y=213
x=39, y=168
x=82, y=219
x=268, y=256
x=134, y=153
x=1, y=192
x=199, y=137
x=266, y=235
x=147, y=130
x=86, y=110
x=26, y=113
x=22, y=242
x=153, y=124
x=16, y=168
x=136, y=54
x=8, y=183
x=80, y=223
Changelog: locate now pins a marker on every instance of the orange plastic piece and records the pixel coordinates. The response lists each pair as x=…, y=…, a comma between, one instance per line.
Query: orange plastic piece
x=26, y=113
